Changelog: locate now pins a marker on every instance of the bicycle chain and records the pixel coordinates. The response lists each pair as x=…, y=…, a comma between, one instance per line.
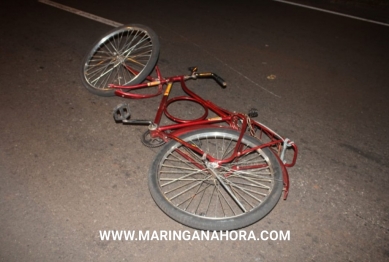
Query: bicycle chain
x=250, y=126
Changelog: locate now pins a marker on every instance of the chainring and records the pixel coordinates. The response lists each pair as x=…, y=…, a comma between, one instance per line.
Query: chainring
x=149, y=141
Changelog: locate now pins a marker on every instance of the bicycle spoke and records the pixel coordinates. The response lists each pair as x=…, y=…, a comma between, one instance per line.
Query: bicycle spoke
x=210, y=200
x=128, y=51
x=227, y=202
x=186, y=190
x=242, y=197
x=243, y=174
x=129, y=42
x=190, y=199
x=229, y=191
x=253, y=181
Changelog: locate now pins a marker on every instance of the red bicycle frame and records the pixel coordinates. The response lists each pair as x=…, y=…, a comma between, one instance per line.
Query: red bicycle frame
x=236, y=121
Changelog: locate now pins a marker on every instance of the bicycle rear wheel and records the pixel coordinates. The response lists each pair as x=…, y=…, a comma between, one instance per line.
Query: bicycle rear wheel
x=208, y=197
x=124, y=56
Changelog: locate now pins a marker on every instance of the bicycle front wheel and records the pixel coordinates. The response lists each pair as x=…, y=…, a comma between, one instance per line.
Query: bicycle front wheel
x=123, y=56
x=206, y=196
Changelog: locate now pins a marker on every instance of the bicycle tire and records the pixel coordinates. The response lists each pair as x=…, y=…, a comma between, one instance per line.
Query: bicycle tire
x=191, y=195
x=135, y=46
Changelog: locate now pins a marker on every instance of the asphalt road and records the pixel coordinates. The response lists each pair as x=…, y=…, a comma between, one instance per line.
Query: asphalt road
x=68, y=171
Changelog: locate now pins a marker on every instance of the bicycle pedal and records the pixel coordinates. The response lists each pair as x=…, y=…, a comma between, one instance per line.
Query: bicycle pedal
x=253, y=112
x=121, y=112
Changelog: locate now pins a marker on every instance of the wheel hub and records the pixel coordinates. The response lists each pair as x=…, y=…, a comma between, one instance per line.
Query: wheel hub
x=212, y=165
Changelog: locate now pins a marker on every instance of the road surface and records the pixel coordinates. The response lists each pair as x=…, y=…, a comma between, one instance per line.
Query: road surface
x=68, y=171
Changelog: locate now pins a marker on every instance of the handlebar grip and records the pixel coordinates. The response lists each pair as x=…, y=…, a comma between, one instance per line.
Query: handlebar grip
x=217, y=78
x=220, y=80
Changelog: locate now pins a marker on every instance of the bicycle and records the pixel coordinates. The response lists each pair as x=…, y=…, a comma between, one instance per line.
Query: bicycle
x=213, y=173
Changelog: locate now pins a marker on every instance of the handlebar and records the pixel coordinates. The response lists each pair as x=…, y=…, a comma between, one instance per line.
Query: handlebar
x=217, y=78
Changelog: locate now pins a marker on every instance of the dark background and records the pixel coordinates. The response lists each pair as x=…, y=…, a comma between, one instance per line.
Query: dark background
x=67, y=170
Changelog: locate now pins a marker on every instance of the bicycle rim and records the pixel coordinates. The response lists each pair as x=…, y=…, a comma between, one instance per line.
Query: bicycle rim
x=204, y=196
x=124, y=56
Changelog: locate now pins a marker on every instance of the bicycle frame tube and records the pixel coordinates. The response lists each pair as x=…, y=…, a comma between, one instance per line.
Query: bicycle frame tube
x=223, y=116
x=162, y=104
